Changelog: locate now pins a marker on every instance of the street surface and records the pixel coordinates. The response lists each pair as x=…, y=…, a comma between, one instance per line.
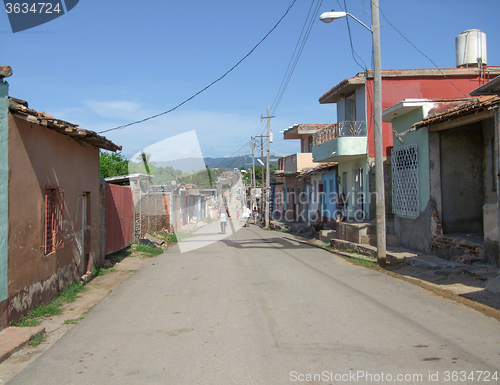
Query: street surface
x=262, y=307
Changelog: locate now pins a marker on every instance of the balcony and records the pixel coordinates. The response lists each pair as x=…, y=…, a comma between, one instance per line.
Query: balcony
x=340, y=142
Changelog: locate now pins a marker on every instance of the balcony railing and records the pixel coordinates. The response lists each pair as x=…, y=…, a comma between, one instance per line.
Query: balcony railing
x=340, y=130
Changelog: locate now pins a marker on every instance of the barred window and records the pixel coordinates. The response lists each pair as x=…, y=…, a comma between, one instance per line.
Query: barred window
x=405, y=188
x=54, y=201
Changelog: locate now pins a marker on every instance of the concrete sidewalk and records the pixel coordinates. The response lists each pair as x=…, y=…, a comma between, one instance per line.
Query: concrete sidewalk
x=14, y=338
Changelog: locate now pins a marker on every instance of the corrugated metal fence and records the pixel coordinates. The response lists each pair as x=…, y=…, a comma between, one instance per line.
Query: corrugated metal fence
x=119, y=218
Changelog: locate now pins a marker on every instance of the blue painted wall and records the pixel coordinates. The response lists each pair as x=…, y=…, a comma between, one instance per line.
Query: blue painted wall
x=330, y=190
x=4, y=189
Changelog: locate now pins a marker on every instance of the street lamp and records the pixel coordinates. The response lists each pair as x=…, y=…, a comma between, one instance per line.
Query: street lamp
x=328, y=17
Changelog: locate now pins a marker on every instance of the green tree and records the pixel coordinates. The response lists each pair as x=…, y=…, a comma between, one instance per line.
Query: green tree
x=113, y=164
x=258, y=174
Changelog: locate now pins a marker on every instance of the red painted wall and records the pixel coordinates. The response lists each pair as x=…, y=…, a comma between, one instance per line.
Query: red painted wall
x=119, y=217
x=395, y=90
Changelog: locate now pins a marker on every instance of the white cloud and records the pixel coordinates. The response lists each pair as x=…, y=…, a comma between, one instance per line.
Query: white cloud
x=120, y=109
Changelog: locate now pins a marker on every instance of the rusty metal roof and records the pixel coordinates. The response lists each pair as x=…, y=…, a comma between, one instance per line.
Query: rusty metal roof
x=19, y=108
x=453, y=110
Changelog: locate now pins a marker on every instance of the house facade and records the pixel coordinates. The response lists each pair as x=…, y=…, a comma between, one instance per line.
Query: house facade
x=50, y=199
x=444, y=174
x=299, y=194
x=350, y=142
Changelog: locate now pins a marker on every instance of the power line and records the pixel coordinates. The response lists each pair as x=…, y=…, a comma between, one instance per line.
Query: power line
x=211, y=84
x=423, y=54
x=299, y=47
x=353, y=51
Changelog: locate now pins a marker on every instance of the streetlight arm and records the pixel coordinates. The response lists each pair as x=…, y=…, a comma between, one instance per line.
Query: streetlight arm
x=328, y=17
x=360, y=22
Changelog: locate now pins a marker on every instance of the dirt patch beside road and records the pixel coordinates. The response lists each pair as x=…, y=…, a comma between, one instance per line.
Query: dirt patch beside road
x=464, y=285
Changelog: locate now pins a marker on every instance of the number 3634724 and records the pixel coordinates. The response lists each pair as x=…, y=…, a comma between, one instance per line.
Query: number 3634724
x=33, y=8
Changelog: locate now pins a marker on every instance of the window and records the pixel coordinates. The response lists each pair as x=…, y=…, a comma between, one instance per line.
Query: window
x=350, y=108
x=405, y=188
x=54, y=230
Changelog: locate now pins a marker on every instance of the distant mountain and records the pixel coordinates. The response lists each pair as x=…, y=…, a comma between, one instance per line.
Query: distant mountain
x=185, y=165
x=197, y=164
x=244, y=161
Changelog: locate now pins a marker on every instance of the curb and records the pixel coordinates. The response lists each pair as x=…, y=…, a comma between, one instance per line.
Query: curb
x=14, y=338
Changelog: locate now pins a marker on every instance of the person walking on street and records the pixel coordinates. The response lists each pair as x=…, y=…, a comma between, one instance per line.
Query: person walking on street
x=223, y=218
x=245, y=216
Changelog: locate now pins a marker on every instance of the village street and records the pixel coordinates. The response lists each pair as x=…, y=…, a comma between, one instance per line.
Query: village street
x=262, y=307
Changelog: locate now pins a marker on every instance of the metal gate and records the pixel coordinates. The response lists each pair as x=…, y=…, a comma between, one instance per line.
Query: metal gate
x=119, y=218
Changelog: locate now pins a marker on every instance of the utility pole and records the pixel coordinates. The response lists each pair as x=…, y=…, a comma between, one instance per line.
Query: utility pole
x=268, y=173
x=379, y=152
x=262, y=185
x=253, y=174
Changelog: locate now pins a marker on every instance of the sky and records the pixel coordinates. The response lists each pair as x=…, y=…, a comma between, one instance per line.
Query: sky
x=109, y=63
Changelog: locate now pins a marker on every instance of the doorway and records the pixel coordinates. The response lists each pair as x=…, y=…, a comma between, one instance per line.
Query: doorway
x=85, y=241
x=462, y=179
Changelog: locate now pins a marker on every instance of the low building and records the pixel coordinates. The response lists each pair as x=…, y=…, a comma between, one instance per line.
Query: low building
x=50, y=205
x=444, y=176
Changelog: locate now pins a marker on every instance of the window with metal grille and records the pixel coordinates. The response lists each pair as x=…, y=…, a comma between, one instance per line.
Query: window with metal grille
x=405, y=188
x=54, y=230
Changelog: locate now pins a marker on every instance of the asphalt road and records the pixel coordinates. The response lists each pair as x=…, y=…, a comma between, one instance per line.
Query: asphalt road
x=261, y=307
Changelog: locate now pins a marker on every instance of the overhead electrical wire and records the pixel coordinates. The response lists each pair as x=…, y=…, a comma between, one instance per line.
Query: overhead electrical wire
x=211, y=84
x=423, y=54
x=299, y=47
x=353, y=52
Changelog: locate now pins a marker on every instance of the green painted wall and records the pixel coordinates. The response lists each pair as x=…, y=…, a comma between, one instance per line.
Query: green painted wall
x=348, y=166
x=4, y=189
x=421, y=139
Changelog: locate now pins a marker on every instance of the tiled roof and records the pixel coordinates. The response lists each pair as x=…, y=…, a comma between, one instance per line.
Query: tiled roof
x=19, y=108
x=312, y=127
x=448, y=111
x=323, y=167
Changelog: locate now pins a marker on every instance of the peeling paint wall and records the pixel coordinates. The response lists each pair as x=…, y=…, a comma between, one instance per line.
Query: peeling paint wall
x=37, y=293
x=39, y=157
x=4, y=199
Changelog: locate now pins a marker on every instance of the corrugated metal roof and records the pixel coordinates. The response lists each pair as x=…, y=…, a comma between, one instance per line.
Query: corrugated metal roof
x=19, y=108
x=490, y=88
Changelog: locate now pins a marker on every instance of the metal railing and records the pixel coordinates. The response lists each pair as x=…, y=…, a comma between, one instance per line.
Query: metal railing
x=340, y=130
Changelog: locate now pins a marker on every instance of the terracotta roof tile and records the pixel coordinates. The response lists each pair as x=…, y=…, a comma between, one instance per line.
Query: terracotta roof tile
x=20, y=109
x=446, y=111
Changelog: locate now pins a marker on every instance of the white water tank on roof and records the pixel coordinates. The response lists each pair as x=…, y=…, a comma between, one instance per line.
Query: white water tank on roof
x=471, y=48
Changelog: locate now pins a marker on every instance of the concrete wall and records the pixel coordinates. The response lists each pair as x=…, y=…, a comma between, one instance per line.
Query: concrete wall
x=462, y=187
x=298, y=162
x=340, y=149
x=4, y=201
x=415, y=233
x=38, y=157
